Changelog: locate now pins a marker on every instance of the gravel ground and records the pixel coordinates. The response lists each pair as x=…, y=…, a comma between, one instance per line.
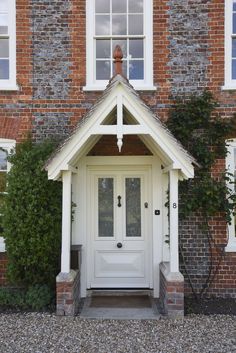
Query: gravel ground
x=36, y=332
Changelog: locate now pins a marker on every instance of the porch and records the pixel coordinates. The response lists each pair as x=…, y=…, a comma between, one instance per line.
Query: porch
x=120, y=170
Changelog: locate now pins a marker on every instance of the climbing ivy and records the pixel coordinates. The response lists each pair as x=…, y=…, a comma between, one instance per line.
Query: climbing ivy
x=195, y=123
x=203, y=135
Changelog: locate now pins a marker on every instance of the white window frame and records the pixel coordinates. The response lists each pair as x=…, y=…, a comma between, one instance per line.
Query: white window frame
x=10, y=84
x=91, y=83
x=230, y=84
x=230, y=167
x=7, y=145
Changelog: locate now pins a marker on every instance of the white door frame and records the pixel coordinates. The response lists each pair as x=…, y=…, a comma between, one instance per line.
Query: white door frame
x=82, y=213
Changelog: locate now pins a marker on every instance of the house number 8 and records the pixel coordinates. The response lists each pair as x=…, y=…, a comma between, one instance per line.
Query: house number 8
x=174, y=205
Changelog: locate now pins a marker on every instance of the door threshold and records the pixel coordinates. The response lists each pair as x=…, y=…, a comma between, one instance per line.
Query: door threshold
x=119, y=292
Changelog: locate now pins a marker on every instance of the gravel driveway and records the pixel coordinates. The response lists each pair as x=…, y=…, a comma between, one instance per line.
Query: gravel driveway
x=34, y=332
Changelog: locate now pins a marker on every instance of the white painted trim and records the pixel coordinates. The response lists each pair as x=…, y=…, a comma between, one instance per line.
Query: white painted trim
x=228, y=88
x=149, y=129
x=165, y=219
x=229, y=83
x=230, y=167
x=137, y=87
x=157, y=224
x=66, y=222
x=96, y=85
x=9, y=146
x=83, y=209
x=116, y=171
x=10, y=84
x=173, y=220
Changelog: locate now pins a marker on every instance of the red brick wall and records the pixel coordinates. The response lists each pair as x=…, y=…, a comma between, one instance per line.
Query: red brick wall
x=179, y=54
x=3, y=267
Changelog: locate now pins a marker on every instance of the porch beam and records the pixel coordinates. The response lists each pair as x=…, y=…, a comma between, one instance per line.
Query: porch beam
x=112, y=130
x=174, y=220
x=66, y=221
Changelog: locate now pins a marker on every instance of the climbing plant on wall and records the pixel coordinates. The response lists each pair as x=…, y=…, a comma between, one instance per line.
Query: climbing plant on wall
x=195, y=123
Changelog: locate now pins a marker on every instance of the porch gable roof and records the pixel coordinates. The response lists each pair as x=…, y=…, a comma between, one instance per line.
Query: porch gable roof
x=118, y=94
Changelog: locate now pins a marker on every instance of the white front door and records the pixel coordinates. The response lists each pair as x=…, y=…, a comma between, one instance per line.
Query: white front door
x=120, y=242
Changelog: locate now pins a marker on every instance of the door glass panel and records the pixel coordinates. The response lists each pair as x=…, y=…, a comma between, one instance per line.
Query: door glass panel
x=105, y=207
x=133, y=207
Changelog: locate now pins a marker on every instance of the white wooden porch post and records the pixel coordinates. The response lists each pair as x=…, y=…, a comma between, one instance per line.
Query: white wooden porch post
x=174, y=220
x=66, y=222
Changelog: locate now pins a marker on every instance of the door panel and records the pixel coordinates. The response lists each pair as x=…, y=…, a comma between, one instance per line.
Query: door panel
x=119, y=236
x=119, y=264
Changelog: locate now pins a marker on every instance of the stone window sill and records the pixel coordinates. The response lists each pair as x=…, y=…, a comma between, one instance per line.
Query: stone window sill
x=231, y=247
x=102, y=88
x=228, y=88
x=9, y=88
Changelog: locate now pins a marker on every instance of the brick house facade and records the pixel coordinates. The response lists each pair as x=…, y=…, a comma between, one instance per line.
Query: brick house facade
x=188, y=56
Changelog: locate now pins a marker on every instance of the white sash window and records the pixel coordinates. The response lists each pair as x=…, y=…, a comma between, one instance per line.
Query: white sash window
x=7, y=45
x=127, y=23
x=230, y=44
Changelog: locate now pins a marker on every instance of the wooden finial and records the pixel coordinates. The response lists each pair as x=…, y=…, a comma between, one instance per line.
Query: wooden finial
x=118, y=56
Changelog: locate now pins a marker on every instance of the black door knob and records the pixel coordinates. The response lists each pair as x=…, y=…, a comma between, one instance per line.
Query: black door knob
x=119, y=245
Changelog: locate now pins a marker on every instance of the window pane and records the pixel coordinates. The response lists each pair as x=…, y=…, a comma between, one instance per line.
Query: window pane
x=133, y=207
x=3, y=160
x=4, y=48
x=135, y=24
x=119, y=25
x=234, y=6
x=4, y=69
x=103, y=48
x=136, y=48
x=234, y=23
x=103, y=70
x=122, y=43
x=135, y=5
x=234, y=69
x=3, y=182
x=234, y=48
x=136, y=70
x=3, y=23
x=102, y=25
x=105, y=207
x=119, y=6
x=102, y=6
x=3, y=5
